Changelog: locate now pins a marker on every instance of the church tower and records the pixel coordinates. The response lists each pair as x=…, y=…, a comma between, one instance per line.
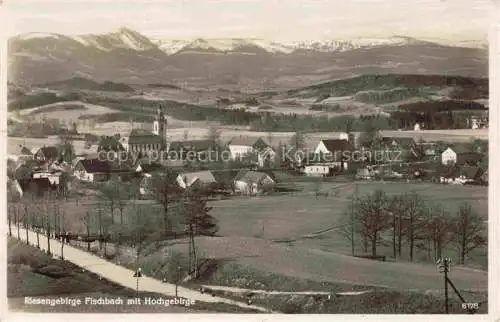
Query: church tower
x=160, y=124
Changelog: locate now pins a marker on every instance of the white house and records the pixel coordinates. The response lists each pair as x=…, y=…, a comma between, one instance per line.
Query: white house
x=92, y=170
x=459, y=155
x=241, y=147
x=316, y=170
x=252, y=182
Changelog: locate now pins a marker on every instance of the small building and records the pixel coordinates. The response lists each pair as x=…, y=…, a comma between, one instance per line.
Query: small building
x=460, y=155
x=46, y=154
x=92, y=170
x=53, y=177
x=253, y=182
x=242, y=147
x=317, y=170
x=200, y=178
x=334, y=152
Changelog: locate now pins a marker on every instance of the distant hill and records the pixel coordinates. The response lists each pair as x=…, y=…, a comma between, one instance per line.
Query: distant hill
x=127, y=56
x=81, y=83
x=467, y=87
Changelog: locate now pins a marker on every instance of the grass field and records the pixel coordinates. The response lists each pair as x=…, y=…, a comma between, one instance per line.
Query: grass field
x=32, y=273
x=35, y=274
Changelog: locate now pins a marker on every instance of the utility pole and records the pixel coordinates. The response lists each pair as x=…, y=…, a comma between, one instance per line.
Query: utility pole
x=444, y=267
x=177, y=278
x=137, y=275
x=353, y=205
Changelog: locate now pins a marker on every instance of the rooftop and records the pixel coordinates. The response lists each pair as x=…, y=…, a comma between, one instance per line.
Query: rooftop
x=95, y=165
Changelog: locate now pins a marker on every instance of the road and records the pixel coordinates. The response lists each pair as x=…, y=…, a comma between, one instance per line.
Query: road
x=123, y=276
x=247, y=290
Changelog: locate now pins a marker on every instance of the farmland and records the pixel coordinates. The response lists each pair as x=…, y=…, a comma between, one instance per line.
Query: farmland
x=298, y=235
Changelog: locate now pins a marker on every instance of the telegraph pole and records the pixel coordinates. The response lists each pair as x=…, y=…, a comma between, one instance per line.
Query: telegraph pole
x=444, y=267
x=353, y=204
x=137, y=275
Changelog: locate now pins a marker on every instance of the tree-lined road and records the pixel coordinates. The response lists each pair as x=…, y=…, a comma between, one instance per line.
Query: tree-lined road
x=123, y=276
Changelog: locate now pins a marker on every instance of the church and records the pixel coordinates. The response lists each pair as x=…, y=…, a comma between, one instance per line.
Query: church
x=143, y=141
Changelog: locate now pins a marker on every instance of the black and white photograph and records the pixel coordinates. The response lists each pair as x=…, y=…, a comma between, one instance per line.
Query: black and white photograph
x=247, y=157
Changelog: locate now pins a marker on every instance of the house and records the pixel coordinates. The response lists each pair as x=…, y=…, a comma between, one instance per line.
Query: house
x=317, y=170
x=334, y=152
x=225, y=179
x=253, y=182
x=194, y=150
x=53, y=177
x=39, y=186
x=92, y=170
x=460, y=155
x=200, y=178
x=242, y=147
x=45, y=154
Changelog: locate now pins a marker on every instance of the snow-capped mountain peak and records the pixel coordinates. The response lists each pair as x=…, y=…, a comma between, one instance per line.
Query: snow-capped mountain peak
x=220, y=45
x=127, y=39
x=38, y=35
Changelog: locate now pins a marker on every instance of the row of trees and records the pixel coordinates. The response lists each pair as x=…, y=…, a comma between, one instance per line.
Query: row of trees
x=408, y=223
x=45, y=217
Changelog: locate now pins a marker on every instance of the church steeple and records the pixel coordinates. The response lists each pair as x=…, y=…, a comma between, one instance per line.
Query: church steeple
x=160, y=124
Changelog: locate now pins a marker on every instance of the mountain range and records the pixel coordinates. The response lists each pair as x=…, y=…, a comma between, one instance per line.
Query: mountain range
x=128, y=56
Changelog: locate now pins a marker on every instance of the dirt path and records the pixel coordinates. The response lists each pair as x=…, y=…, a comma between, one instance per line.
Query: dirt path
x=247, y=290
x=123, y=276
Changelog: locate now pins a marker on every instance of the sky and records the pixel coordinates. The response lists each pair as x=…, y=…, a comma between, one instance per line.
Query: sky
x=279, y=20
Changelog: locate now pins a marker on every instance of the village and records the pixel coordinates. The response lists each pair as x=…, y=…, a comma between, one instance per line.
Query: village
x=243, y=165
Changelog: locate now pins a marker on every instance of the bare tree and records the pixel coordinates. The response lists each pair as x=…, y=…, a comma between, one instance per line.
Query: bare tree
x=9, y=217
x=88, y=221
x=109, y=192
x=26, y=220
x=468, y=231
x=166, y=190
x=198, y=222
x=140, y=227
x=437, y=227
x=62, y=230
x=397, y=210
x=174, y=269
x=49, y=209
x=373, y=217
x=414, y=213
